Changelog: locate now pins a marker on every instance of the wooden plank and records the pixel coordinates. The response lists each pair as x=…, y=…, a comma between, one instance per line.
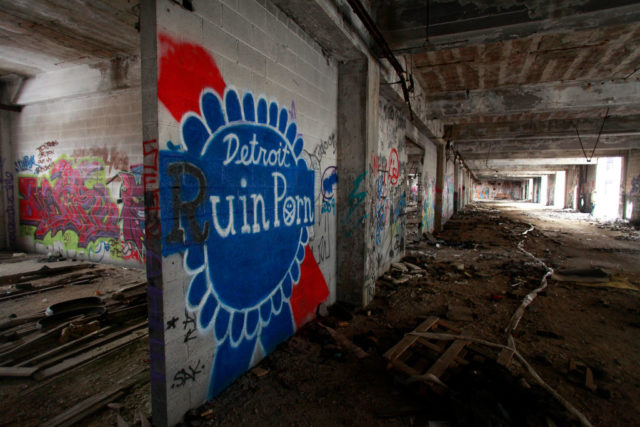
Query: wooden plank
x=95, y=343
x=94, y=403
x=404, y=367
x=505, y=356
x=37, y=290
x=63, y=347
x=92, y=354
x=447, y=358
x=28, y=345
x=12, y=371
x=406, y=342
x=44, y=271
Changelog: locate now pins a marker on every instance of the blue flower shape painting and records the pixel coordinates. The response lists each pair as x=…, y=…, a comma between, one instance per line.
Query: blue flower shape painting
x=237, y=201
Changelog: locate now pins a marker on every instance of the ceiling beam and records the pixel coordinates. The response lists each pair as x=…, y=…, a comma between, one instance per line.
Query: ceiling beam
x=489, y=24
x=538, y=98
x=522, y=130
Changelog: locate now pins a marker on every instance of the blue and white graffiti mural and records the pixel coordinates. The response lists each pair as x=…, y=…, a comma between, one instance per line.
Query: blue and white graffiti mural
x=237, y=201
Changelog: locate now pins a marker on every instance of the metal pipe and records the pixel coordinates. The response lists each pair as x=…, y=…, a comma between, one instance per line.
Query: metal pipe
x=371, y=27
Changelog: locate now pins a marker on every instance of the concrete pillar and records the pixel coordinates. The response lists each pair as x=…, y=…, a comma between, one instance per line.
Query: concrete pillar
x=357, y=124
x=440, y=171
x=153, y=242
x=632, y=187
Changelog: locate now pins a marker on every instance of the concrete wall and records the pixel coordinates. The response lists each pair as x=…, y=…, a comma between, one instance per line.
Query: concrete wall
x=429, y=166
x=77, y=164
x=8, y=215
x=572, y=184
x=245, y=134
x=632, y=187
x=551, y=189
x=587, y=187
x=498, y=190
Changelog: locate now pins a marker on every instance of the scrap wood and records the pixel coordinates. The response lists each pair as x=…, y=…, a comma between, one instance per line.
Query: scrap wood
x=13, y=371
x=94, y=403
x=61, y=348
x=572, y=409
x=44, y=271
x=22, y=293
x=90, y=356
x=18, y=321
x=345, y=342
x=30, y=346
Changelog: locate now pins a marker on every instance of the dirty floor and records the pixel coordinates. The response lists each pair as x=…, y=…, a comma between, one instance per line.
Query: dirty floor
x=333, y=371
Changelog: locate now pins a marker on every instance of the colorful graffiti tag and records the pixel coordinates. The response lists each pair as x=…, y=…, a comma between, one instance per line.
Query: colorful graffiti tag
x=237, y=202
x=428, y=205
x=73, y=206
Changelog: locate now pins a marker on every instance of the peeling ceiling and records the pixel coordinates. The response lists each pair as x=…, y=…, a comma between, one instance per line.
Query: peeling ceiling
x=515, y=79
x=45, y=35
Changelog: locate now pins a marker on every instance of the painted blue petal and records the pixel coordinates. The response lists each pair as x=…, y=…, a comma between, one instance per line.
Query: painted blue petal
x=208, y=310
x=292, y=132
x=273, y=114
x=195, y=258
x=222, y=323
x=297, y=147
x=279, y=329
x=300, y=254
x=295, y=272
x=286, y=286
x=234, y=112
x=197, y=288
x=265, y=311
x=194, y=134
x=304, y=237
x=248, y=107
x=284, y=118
x=237, y=325
x=276, y=300
x=212, y=111
x=230, y=361
x=252, y=321
x=262, y=110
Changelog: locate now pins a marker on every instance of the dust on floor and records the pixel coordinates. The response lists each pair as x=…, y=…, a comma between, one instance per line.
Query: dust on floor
x=472, y=275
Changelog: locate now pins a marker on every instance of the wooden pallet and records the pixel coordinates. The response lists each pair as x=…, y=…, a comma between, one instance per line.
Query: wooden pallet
x=421, y=357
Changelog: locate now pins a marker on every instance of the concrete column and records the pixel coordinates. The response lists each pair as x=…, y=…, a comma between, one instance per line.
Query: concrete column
x=357, y=116
x=440, y=170
x=157, y=359
x=457, y=202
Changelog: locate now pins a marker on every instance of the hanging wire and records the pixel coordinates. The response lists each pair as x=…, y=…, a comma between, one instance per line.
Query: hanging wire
x=604, y=119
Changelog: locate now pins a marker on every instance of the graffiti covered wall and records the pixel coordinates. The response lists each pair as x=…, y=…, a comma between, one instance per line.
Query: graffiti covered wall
x=387, y=168
x=498, y=190
x=248, y=178
x=429, y=167
x=76, y=168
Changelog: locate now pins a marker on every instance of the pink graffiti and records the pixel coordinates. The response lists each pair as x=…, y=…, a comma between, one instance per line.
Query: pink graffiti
x=77, y=199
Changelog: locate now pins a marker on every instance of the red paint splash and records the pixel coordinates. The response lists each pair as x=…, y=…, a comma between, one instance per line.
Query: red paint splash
x=310, y=291
x=185, y=70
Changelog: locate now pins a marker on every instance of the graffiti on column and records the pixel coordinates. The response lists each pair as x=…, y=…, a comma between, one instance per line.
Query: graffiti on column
x=428, y=205
x=237, y=202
